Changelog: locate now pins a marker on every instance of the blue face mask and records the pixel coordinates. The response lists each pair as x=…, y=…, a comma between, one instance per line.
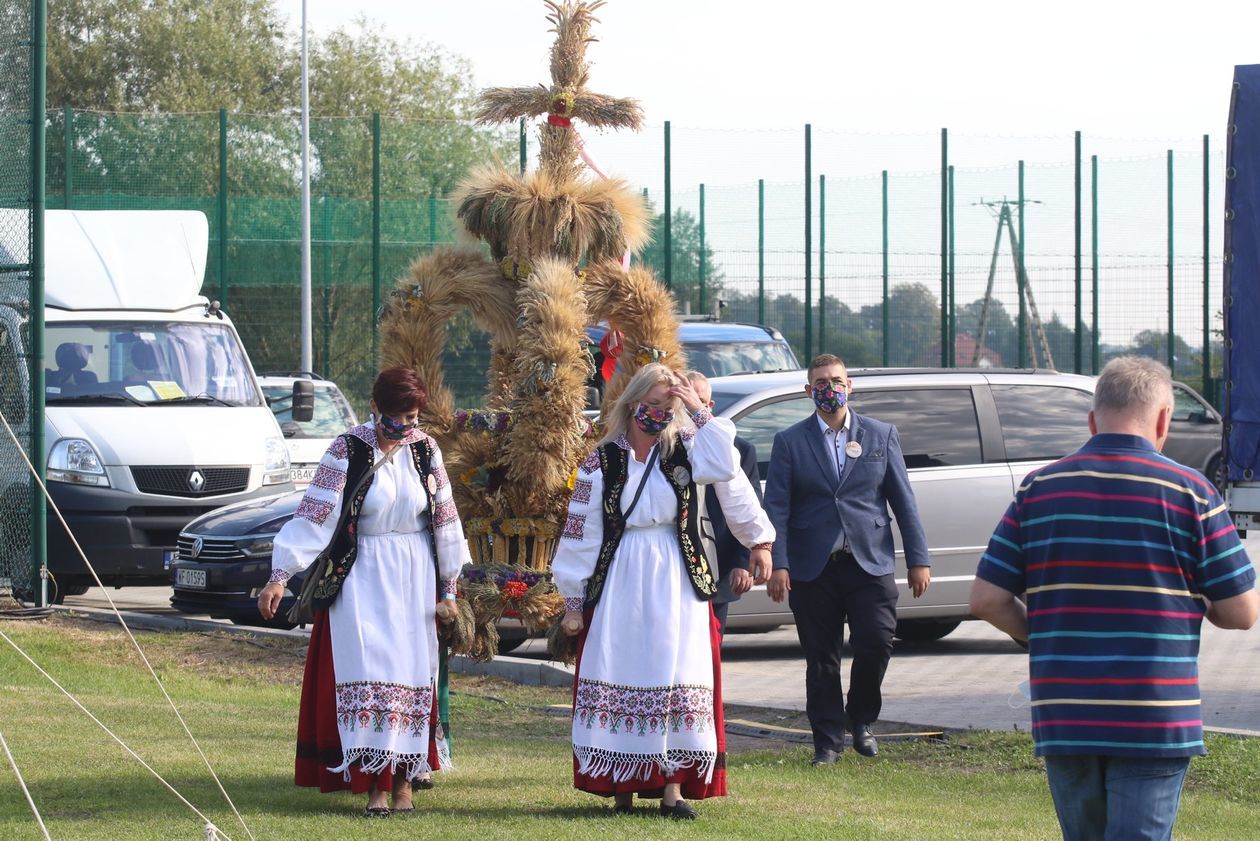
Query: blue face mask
x=828, y=399
x=394, y=430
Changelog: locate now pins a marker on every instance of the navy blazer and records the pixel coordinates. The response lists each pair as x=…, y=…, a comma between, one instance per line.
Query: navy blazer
x=808, y=506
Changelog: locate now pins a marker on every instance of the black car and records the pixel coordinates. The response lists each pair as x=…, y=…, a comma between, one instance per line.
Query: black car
x=224, y=559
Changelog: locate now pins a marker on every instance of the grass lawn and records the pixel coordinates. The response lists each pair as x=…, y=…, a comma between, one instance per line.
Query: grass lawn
x=512, y=781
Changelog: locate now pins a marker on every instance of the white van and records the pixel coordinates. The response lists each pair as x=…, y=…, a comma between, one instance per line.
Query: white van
x=153, y=413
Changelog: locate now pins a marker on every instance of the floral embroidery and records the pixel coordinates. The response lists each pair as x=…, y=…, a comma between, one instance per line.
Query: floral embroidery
x=339, y=449
x=394, y=707
x=278, y=576
x=315, y=510
x=574, y=604
x=581, y=491
x=439, y=471
x=591, y=463
x=445, y=514
x=639, y=710
x=701, y=417
x=450, y=586
x=575, y=526
x=329, y=478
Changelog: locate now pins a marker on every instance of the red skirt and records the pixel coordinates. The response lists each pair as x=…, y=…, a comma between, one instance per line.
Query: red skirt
x=693, y=786
x=318, y=741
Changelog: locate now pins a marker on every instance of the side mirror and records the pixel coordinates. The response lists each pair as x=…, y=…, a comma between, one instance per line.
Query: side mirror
x=303, y=401
x=290, y=429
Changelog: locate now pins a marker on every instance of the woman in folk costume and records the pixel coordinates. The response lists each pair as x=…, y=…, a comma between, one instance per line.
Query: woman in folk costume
x=369, y=712
x=647, y=709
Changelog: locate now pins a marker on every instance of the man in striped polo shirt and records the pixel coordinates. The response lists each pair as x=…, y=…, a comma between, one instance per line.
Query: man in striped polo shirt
x=1107, y=563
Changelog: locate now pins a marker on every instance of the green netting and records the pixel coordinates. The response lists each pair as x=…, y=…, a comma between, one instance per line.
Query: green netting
x=16, y=197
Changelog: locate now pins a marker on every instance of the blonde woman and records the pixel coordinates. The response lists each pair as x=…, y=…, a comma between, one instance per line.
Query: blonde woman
x=647, y=712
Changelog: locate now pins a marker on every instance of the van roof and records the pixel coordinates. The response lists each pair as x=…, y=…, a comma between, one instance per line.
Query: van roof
x=124, y=259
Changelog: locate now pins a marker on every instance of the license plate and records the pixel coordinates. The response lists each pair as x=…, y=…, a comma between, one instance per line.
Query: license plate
x=303, y=475
x=191, y=578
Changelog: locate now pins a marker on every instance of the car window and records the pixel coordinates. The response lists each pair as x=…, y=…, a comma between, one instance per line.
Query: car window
x=760, y=424
x=1042, y=422
x=332, y=415
x=937, y=426
x=722, y=359
x=1187, y=407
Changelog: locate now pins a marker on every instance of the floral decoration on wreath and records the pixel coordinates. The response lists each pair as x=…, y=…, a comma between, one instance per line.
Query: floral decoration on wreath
x=482, y=420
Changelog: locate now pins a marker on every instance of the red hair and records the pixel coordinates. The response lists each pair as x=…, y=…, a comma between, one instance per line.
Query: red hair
x=398, y=391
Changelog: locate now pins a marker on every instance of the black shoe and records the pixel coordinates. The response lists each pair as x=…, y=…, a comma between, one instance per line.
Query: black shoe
x=864, y=741
x=825, y=757
x=680, y=811
x=377, y=812
x=422, y=783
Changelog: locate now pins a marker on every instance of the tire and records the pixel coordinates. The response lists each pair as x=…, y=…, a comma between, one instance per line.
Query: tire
x=1216, y=473
x=924, y=630
x=509, y=644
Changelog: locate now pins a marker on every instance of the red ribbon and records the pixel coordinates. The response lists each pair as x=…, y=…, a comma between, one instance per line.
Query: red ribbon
x=557, y=120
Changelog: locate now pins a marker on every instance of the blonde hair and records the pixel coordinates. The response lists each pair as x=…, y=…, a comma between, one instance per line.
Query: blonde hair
x=644, y=380
x=1133, y=386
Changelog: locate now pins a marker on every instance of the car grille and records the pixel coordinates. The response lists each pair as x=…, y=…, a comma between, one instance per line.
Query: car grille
x=211, y=550
x=180, y=481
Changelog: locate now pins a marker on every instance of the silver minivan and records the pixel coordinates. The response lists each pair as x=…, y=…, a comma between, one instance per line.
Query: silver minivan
x=969, y=437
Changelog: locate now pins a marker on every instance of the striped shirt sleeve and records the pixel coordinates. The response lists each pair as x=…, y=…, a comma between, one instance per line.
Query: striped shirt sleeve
x=1223, y=569
x=1003, y=563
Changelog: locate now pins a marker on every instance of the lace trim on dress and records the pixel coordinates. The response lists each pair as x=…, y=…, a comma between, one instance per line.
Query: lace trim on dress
x=623, y=767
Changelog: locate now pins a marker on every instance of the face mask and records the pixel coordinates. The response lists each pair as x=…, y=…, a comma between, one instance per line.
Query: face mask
x=652, y=421
x=394, y=430
x=829, y=399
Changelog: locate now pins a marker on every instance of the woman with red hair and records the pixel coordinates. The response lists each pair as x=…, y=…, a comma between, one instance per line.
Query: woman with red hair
x=381, y=504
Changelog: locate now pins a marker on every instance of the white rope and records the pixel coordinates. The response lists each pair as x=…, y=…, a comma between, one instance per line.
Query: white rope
x=22, y=783
x=53, y=507
x=104, y=727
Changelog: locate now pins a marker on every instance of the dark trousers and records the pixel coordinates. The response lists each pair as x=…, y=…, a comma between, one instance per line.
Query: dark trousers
x=844, y=591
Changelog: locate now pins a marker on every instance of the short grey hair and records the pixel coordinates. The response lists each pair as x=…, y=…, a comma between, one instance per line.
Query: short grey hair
x=1135, y=386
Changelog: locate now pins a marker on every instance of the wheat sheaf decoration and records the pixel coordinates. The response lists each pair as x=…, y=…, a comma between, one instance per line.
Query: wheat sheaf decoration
x=559, y=242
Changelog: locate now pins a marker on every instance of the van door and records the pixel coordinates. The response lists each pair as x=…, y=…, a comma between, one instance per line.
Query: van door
x=960, y=495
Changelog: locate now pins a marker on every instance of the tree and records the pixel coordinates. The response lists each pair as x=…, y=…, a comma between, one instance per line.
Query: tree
x=685, y=280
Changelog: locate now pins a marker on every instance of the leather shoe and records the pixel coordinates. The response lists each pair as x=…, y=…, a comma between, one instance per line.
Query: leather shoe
x=825, y=757
x=864, y=741
x=680, y=811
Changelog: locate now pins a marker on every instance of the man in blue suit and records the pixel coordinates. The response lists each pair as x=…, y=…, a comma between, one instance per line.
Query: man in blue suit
x=832, y=480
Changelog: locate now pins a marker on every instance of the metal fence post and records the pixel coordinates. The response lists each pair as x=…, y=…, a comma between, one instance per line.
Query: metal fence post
x=668, y=245
x=702, y=302
x=1019, y=278
x=944, y=248
x=953, y=304
x=884, y=307
x=432, y=221
x=1172, y=332
x=1079, y=358
x=67, y=119
x=328, y=236
x=524, y=153
x=809, y=245
x=223, y=208
x=761, y=251
x=1093, y=260
x=376, y=236
x=822, y=263
x=1209, y=388
x=39, y=93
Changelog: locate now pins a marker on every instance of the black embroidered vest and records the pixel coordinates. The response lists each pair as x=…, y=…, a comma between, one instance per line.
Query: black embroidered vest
x=614, y=462
x=344, y=547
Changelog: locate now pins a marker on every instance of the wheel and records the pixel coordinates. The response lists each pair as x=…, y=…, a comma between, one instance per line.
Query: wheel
x=924, y=630
x=510, y=644
x=74, y=588
x=1216, y=473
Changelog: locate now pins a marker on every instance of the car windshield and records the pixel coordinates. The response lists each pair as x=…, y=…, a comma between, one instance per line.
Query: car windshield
x=332, y=415
x=721, y=359
x=146, y=362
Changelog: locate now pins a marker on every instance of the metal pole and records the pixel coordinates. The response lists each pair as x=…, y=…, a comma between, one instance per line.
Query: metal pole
x=1079, y=359
x=1093, y=261
x=432, y=221
x=952, y=344
x=702, y=303
x=1171, y=322
x=67, y=119
x=328, y=237
x=223, y=208
x=523, y=148
x=669, y=221
x=1019, y=277
x=822, y=262
x=884, y=308
x=39, y=93
x=944, y=248
x=761, y=251
x=1209, y=388
x=305, y=363
x=376, y=235
x=809, y=245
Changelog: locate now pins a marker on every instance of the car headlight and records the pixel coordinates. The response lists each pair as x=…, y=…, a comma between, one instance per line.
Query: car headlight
x=76, y=461
x=276, y=469
x=258, y=546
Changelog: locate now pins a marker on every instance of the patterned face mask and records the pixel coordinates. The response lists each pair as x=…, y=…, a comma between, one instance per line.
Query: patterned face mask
x=829, y=399
x=394, y=430
x=652, y=421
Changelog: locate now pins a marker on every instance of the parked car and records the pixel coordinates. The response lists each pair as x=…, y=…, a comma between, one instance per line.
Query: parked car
x=1195, y=436
x=307, y=440
x=720, y=349
x=968, y=436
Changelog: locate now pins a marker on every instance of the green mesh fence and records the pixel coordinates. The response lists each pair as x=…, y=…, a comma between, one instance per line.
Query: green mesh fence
x=16, y=197
x=877, y=272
